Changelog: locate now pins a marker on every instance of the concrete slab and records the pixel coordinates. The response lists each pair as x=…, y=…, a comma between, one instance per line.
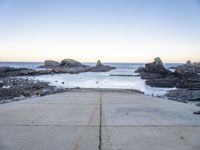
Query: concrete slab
x=71, y=121
x=80, y=109
x=139, y=110
x=150, y=138
x=48, y=138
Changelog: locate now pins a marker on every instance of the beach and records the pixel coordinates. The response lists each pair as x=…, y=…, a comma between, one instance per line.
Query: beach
x=92, y=119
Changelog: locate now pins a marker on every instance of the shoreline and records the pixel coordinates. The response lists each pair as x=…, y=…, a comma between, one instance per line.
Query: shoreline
x=78, y=89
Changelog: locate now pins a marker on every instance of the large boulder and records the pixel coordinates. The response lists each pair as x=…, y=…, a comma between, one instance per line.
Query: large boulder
x=153, y=70
x=156, y=67
x=71, y=63
x=51, y=63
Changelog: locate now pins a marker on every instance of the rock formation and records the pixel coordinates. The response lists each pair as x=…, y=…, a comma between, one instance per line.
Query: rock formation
x=100, y=67
x=9, y=72
x=184, y=78
x=70, y=63
x=153, y=70
x=189, y=67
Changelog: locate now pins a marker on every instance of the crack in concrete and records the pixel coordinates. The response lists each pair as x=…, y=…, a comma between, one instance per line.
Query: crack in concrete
x=100, y=121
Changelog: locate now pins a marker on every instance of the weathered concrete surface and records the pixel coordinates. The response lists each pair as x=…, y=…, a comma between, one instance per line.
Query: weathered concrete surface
x=71, y=121
x=67, y=121
x=139, y=122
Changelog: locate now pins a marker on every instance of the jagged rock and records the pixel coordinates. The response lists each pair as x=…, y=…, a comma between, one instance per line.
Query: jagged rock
x=158, y=76
x=156, y=67
x=189, y=67
x=169, y=81
x=153, y=70
x=99, y=63
x=100, y=67
x=188, y=62
x=184, y=95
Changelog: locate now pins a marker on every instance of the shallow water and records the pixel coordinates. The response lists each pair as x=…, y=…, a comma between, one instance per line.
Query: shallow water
x=98, y=79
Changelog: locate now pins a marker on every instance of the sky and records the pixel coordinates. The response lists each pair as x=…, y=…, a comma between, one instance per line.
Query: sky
x=109, y=30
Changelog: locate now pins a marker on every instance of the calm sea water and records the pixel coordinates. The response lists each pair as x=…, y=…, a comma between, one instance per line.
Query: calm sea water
x=97, y=80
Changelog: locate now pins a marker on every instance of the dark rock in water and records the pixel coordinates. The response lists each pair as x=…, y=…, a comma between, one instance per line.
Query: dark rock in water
x=72, y=66
x=100, y=67
x=9, y=71
x=153, y=70
x=158, y=76
x=189, y=67
x=156, y=67
x=196, y=112
x=187, y=79
x=169, y=82
x=99, y=63
x=51, y=63
x=70, y=63
x=189, y=62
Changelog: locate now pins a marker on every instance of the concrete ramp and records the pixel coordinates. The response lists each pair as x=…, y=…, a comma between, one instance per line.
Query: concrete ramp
x=99, y=120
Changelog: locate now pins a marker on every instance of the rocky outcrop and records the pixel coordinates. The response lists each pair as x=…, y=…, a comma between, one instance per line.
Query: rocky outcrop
x=100, y=67
x=153, y=70
x=49, y=64
x=74, y=67
x=10, y=72
x=185, y=78
x=65, y=66
x=70, y=66
x=189, y=67
x=169, y=81
x=71, y=63
x=158, y=76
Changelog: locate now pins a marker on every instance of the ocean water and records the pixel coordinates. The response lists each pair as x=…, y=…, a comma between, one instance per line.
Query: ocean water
x=97, y=79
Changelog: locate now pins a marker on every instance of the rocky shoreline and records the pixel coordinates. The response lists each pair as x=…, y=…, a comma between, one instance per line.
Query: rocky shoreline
x=15, y=89
x=185, y=78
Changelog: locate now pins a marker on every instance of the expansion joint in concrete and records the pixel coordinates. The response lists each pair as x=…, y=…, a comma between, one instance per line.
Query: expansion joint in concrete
x=100, y=121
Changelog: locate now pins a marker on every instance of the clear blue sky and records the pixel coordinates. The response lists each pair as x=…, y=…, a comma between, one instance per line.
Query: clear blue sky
x=110, y=30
